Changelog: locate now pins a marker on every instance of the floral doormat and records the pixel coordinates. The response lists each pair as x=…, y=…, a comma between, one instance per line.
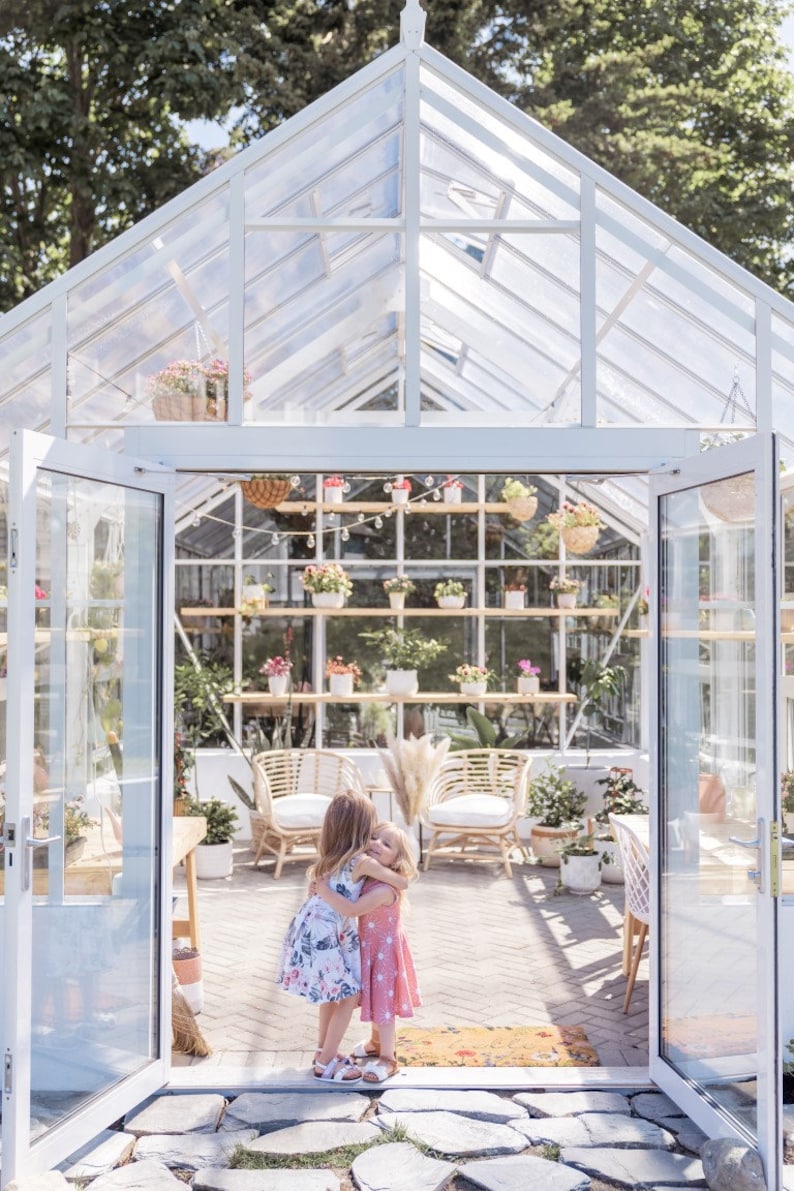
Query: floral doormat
x=496, y=1046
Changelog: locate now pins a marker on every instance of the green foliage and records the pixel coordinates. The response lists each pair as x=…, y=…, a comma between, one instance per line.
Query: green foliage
x=554, y=799
x=198, y=698
x=404, y=649
x=221, y=819
x=622, y=796
x=486, y=735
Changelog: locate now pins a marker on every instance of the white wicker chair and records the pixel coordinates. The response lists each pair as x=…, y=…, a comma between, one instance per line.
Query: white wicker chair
x=474, y=805
x=292, y=790
x=637, y=885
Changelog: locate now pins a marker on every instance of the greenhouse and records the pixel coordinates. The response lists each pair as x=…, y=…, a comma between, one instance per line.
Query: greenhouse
x=408, y=385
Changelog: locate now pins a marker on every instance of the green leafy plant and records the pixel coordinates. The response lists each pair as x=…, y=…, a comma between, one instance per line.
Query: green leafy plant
x=221, y=819
x=198, y=697
x=515, y=490
x=405, y=649
x=448, y=587
x=581, y=845
x=487, y=735
x=787, y=791
x=622, y=796
x=554, y=799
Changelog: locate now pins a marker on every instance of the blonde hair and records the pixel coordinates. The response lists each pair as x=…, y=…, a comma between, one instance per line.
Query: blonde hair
x=347, y=829
x=404, y=862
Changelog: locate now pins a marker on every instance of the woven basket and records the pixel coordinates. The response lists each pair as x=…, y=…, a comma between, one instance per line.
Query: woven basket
x=579, y=538
x=265, y=491
x=523, y=508
x=732, y=499
x=169, y=405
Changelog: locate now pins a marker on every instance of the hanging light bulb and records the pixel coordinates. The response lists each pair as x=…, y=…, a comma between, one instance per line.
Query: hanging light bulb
x=361, y=518
x=332, y=517
x=387, y=487
x=310, y=541
x=345, y=534
x=236, y=533
x=429, y=481
x=388, y=513
x=346, y=486
x=436, y=495
x=196, y=522
x=275, y=539
x=295, y=481
x=378, y=523
x=305, y=510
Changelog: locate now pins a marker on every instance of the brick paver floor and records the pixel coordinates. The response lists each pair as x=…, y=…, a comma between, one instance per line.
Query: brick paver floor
x=490, y=950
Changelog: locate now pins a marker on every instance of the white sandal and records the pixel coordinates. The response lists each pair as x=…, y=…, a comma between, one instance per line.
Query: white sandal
x=381, y=1070
x=362, y=1050
x=337, y=1071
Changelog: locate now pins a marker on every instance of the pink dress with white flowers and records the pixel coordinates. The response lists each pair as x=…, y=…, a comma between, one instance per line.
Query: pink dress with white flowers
x=389, y=987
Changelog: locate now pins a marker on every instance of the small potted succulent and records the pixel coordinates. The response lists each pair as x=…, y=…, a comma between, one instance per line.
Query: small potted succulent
x=521, y=499
x=404, y=652
x=334, y=488
x=473, y=680
x=452, y=491
x=400, y=489
x=397, y=588
x=449, y=593
x=328, y=584
x=342, y=676
x=514, y=595
x=580, y=865
x=579, y=525
x=557, y=805
x=254, y=596
x=277, y=671
x=528, y=681
x=567, y=590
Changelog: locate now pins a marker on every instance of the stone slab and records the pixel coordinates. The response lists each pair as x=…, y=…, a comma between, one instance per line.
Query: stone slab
x=399, y=1166
x=448, y=1133
x=594, y=1129
x=482, y=1106
x=146, y=1175
x=177, y=1114
x=214, y=1178
x=191, y=1151
x=636, y=1168
x=572, y=1104
x=45, y=1180
x=314, y=1137
x=655, y=1106
x=524, y=1172
x=268, y=1111
x=104, y=1153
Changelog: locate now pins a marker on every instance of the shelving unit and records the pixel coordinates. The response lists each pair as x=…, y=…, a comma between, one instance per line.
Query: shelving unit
x=506, y=697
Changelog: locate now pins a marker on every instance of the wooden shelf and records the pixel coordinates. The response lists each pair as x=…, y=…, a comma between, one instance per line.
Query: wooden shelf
x=507, y=697
x=303, y=610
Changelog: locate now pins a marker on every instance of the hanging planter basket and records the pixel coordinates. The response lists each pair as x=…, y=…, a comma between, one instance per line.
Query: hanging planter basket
x=265, y=491
x=579, y=538
x=731, y=500
x=523, y=508
x=169, y=405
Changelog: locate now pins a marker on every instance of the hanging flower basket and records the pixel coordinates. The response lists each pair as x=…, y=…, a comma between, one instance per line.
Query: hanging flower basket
x=523, y=508
x=580, y=538
x=266, y=491
x=732, y=499
x=169, y=405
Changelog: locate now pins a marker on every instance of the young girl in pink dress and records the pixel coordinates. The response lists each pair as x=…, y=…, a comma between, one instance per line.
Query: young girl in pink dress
x=389, y=987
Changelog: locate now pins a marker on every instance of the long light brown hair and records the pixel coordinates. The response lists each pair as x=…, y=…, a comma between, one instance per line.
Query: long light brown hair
x=347, y=829
x=404, y=862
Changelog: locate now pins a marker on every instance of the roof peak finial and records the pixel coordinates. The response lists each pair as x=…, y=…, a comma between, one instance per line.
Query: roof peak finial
x=412, y=24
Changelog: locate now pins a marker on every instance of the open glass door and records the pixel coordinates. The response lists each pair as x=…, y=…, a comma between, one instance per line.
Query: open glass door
x=85, y=886
x=714, y=1045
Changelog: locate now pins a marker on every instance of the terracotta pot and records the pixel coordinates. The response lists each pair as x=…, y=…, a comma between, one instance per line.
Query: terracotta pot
x=546, y=842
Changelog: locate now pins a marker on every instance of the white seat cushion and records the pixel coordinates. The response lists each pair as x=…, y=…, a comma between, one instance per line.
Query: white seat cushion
x=294, y=811
x=471, y=810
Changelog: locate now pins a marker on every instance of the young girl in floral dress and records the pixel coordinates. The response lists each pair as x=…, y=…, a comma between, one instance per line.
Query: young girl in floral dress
x=389, y=987
x=320, y=956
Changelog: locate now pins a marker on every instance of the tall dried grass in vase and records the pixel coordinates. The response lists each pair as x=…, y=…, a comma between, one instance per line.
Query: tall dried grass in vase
x=411, y=765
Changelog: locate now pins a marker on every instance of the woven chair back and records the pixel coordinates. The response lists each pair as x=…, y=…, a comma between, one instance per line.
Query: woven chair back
x=634, y=858
x=501, y=772
x=282, y=772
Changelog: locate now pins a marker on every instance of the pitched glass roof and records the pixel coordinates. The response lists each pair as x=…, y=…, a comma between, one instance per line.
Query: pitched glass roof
x=408, y=242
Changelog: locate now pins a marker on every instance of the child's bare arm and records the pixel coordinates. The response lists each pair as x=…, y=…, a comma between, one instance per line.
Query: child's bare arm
x=368, y=902
x=368, y=866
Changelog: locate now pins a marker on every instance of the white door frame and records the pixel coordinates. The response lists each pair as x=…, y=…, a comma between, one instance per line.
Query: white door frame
x=29, y=452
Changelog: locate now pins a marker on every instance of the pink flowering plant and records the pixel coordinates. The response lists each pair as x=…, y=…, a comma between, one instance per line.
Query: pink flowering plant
x=451, y=482
x=399, y=584
x=326, y=577
x=470, y=673
x=334, y=482
x=195, y=376
x=565, y=584
x=401, y=483
x=276, y=667
x=338, y=665
x=569, y=515
x=526, y=668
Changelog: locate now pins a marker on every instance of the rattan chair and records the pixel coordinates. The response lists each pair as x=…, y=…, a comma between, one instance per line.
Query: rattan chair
x=474, y=804
x=637, y=886
x=292, y=790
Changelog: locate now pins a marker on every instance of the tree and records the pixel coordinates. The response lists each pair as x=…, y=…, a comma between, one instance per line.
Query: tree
x=91, y=138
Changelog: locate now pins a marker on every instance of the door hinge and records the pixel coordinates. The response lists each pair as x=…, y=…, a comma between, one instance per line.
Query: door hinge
x=8, y=1073
x=774, y=859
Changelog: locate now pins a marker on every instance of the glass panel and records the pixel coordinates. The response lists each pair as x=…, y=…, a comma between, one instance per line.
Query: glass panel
x=709, y=1013
x=26, y=379
x=783, y=387
x=97, y=789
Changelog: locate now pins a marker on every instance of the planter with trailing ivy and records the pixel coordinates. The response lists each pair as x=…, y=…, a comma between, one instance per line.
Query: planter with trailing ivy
x=215, y=853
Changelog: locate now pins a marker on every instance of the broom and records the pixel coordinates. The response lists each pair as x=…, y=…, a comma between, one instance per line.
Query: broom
x=186, y=1037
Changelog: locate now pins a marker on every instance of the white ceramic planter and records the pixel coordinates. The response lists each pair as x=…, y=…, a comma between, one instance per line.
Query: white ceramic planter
x=402, y=682
x=452, y=496
x=214, y=861
x=397, y=599
x=528, y=684
x=333, y=495
x=611, y=870
x=581, y=874
x=399, y=496
x=278, y=684
x=328, y=599
x=451, y=601
x=473, y=688
x=340, y=684
x=566, y=599
x=514, y=599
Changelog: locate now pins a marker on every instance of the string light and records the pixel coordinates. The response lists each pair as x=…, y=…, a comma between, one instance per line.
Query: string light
x=361, y=518
x=310, y=541
x=275, y=539
x=295, y=481
x=436, y=495
x=345, y=534
x=378, y=523
x=429, y=481
x=196, y=522
x=387, y=487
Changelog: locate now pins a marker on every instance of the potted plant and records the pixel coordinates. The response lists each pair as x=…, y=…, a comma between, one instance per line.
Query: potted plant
x=397, y=588
x=580, y=865
x=334, y=488
x=449, y=593
x=400, y=489
x=277, y=671
x=404, y=652
x=193, y=391
x=611, y=603
x=328, y=584
x=473, y=680
x=254, y=597
x=622, y=796
x=514, y=595
x=567, y=590
x=579, y=525
x=557, y=805
x=215, y=853
x=528, y=681
x=342, y=676
x=520, y=498
x=452, y=491
x=266, y=491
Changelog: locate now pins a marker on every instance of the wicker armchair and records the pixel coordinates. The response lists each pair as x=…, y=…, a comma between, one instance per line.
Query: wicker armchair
x=474, y=805
x=292, y=790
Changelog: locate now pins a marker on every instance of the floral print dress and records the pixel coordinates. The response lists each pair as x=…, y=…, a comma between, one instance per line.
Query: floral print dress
x=320, y=957
x=389, y=986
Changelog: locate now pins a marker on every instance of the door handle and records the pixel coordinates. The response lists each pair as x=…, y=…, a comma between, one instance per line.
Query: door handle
x=744, y=843
x=756, y=875
x=32, y=842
